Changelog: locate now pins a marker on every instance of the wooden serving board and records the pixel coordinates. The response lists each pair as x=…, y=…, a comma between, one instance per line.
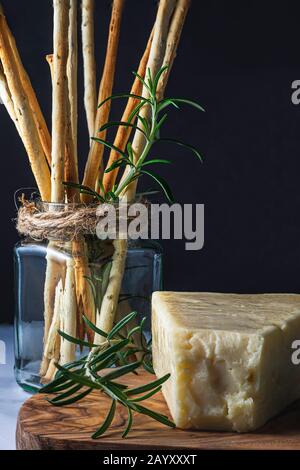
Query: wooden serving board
x=44, y=426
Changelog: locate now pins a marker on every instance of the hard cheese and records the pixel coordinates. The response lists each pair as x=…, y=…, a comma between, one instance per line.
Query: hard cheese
x=229, y=356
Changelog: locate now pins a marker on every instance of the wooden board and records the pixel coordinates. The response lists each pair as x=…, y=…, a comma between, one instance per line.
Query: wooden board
x=43, y=426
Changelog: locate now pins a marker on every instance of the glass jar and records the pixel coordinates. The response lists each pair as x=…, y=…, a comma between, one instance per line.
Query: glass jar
x=142, y=276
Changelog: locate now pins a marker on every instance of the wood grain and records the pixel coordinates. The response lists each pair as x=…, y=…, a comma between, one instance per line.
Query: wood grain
x=42, y=426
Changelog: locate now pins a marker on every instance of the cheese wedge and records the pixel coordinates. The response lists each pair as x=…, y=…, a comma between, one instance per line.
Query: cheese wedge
x=229, y=355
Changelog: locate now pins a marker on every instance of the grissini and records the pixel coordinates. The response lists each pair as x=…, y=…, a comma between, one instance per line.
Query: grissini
x=71, y=157
x=52, y=345
x=89, y=63
x=38, y=116
x=27, y=125
x=157, y=53
x=94, y=161
x=54, y=276
x=173, y=39
x=49, y=59
x=161, y=29
x=60, y=56
x=105, y=318
x=110, y=301
x=72, y=74
x=80, y=268
x=71, y=164
x=84, y=295
x=6, y=99
x=124, y=132
x=49, y=347
x=68, y=314
x=59, y=101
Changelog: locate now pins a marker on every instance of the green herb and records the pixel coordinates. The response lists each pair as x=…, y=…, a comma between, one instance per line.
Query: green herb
x=151, y=130
x=76, y=380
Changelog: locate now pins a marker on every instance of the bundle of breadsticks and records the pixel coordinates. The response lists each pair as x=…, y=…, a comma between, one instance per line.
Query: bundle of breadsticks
x=54, y=158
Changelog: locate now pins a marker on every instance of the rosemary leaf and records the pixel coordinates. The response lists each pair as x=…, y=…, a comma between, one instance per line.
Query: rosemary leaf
x=94, y=328
x=114, y=392
x=60, y=388
x=79, y=378
x=148, y=395
x=110, y=146
x=71, y=400
x=162, y=183
x=110, y=124
x=121, y=324
x=120, y=371
x=149, y=386
x=75, y=340
x=190, y=102
x=148, y=367
x=107, y=352
x=129, y=423
x=183, y=144
x=122, y=95
x=158, y=417
x=108, y=420
x=158, y=76
x=67, y=394
x=86, y=373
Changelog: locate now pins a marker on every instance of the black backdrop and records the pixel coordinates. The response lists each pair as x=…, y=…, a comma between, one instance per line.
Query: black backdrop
x=239, y=60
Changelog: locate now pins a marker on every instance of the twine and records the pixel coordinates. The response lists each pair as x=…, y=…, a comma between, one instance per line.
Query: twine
x=67, y=223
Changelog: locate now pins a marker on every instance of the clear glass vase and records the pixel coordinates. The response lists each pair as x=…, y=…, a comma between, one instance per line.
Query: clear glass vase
x=142, y=276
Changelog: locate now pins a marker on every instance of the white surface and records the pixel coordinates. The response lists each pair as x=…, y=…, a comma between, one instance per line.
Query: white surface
x=11, y=395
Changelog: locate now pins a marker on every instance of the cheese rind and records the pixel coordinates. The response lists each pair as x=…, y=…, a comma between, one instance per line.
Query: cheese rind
x=229, y=356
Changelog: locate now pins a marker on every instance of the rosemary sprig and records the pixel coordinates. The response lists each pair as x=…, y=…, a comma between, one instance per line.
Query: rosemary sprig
x=76, y=380
x=151, y=130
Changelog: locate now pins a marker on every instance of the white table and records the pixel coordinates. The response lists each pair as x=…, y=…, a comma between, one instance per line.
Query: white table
x=11, y=395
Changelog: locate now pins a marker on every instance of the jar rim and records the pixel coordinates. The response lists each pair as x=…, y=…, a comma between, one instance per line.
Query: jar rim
x=45, y=206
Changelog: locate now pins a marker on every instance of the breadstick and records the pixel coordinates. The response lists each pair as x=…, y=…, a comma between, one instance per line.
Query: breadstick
x=49, y=59
x=85, y=301
x=96, y=152
x=89, y=63
x=38, y=117
x=6, y=99
x=23, y=111
x=72, y=69
x=106, y=316
x=174, y=35
x=54, y=276
x=68, y=314
x=71, y=159
x=123, y=132
x=49, y=348
x=71, y=165
x=110, y=301
x=60, y=56
x=161, y=29
x=157, y=53
x=59, y=97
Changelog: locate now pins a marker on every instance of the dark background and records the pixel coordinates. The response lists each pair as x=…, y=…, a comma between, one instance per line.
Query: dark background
x=238, y=59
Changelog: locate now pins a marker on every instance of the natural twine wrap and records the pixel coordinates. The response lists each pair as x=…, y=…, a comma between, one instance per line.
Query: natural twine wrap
x=42, y=221
x=71, y=223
